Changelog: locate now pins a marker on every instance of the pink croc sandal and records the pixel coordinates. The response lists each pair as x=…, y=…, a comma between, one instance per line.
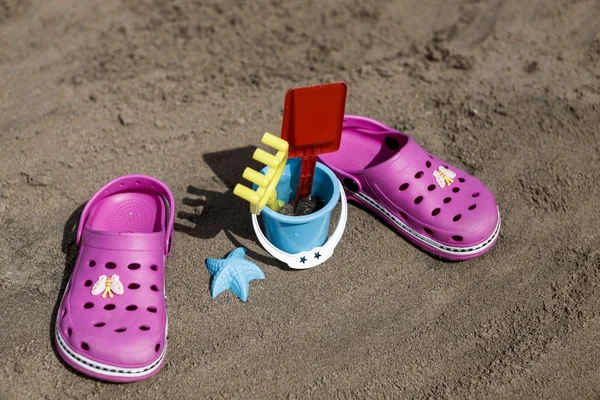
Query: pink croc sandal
x=430, y=202
x=112, y=322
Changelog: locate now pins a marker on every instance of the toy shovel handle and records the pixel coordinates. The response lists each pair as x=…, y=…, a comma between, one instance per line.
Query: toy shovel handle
x=307, y=175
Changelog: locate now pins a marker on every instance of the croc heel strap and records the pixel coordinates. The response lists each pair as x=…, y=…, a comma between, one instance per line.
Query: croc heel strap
x=139, y=182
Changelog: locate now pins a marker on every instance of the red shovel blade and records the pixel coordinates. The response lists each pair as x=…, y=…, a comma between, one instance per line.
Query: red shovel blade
x=312, y=124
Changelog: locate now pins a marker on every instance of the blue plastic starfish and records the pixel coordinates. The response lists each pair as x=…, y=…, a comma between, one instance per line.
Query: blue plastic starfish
x=233, y=272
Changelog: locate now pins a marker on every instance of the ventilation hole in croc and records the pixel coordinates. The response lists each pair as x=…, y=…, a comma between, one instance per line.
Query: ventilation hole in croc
x=120, y=330
x=92, y=263
x=457, y=238
x=85, y=346
x=472, y=207
x=133, y=266
x=447, y=200
x=430, y=156
x=131, y=307
x=133, y=286
x=137, y=182
x=88, y=283
x=435, y=212
x=445, y=166
x=88, y=305
x=476, y=194
x=455, y=190
x=151, y=309
x=109, y=307
x=144, y=328
x=431, y=188
x=403, y=214
x=122, y=184
x=428, y=164
x=351, y=185
x=457, y=217
x=418, y=199
x=110, y=265
x=99, y=324
x=419, y=174
x=461, y=180
x=428, y=231
x=157, y=347
x=69, y=332
x=403, y=187
x=154, y=268
x=392, y=143
x=154, y=288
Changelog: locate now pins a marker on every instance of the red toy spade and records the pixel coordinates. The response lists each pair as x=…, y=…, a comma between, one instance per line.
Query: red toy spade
x=312, y=124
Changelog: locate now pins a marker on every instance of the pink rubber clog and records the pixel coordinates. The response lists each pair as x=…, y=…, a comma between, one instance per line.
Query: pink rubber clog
x=430, y=202
x=112, y=321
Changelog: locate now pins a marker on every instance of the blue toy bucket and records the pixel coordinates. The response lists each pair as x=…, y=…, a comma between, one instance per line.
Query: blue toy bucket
x=293, y=234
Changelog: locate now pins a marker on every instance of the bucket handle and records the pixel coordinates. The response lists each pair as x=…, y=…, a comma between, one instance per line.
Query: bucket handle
x=311, y=258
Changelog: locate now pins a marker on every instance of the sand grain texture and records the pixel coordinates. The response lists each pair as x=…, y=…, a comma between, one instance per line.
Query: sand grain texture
x=183, y=90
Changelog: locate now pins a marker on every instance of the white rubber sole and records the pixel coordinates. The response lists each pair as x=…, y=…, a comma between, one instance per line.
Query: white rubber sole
x=451, y=251
x=109, y=371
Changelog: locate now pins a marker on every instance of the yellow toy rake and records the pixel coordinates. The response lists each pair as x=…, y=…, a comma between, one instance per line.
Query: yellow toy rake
x=266, y=193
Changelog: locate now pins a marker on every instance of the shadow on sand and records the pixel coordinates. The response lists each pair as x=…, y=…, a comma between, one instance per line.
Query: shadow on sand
x=69, y=249
x=211, y=212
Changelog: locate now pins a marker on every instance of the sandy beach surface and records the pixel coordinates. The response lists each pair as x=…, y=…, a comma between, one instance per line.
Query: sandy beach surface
x=508, y=90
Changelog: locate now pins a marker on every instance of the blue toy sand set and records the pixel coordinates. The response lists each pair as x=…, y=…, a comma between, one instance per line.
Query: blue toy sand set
x=302, y=241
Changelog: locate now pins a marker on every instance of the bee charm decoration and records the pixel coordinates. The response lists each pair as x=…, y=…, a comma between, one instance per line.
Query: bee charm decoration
x=108, y=286
x=444, y=176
